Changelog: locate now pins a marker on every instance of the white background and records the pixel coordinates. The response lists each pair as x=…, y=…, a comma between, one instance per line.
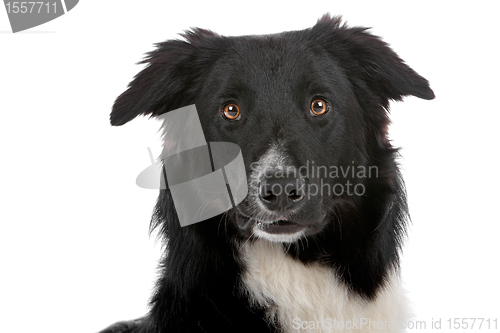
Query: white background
x=74, y=246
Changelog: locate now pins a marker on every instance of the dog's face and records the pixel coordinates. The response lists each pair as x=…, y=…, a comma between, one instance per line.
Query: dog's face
x=307, y=108
x=289, y=106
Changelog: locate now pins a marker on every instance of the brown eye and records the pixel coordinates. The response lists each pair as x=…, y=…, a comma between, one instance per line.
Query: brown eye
x=319, y=107
x=231, y=111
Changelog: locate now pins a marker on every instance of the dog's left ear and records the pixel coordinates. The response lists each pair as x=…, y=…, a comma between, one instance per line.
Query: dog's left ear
x=371, y=60
x=170, y=79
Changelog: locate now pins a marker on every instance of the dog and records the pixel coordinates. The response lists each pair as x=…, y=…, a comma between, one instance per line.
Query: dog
x=315, y=245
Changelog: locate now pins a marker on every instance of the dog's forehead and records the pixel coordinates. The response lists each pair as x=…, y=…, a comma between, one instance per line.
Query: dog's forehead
x=282, y=68
x=280, y=63
x=273, y=54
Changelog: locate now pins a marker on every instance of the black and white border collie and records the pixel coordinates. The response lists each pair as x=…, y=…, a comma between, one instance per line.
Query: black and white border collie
x=315, y=245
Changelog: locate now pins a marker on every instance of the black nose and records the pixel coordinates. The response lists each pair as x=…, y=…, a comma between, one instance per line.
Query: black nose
x=280, y=194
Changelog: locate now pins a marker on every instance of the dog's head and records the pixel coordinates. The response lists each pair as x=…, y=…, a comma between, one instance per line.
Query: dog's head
x=307, y=108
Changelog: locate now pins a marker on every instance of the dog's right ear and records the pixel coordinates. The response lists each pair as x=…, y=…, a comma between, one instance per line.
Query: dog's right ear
x=169, y=81
x=369, y=58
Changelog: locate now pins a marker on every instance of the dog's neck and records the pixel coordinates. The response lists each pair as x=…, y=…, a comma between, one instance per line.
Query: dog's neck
x=309, y=297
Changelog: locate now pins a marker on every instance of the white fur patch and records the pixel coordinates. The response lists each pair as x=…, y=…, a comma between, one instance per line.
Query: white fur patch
x=273, y=161
x=310, y=298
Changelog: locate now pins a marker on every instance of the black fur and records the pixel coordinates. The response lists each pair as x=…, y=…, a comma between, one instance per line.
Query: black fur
x=273, y=78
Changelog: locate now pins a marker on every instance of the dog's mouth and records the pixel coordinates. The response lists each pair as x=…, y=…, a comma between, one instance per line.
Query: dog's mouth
x=280, y=227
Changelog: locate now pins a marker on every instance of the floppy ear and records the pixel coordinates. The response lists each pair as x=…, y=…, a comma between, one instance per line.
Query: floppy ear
x=373, y=61
x=168, y=82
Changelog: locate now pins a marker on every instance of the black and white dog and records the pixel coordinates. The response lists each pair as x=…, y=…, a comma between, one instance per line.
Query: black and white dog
x=310, y=251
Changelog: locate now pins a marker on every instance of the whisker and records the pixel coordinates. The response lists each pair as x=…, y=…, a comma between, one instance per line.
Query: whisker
x=252, y=234
x=338, y=218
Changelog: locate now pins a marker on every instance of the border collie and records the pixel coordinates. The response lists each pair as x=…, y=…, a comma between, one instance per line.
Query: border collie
x=314, y=246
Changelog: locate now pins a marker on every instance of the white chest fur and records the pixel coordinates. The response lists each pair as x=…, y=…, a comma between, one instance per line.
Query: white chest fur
x=310, y=298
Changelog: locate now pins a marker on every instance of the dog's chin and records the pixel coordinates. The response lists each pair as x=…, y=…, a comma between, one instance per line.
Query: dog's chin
x=281, y=230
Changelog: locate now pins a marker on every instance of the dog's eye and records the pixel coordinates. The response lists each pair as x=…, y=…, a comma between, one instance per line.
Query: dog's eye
x=231, y=111
x=319, y=107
